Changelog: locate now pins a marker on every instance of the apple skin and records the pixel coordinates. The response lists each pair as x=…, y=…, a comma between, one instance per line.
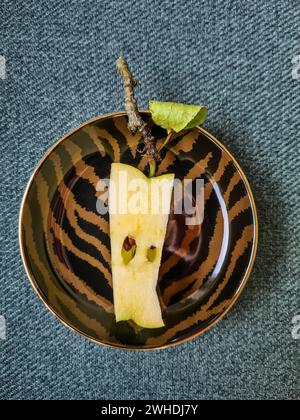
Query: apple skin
x=135, y=282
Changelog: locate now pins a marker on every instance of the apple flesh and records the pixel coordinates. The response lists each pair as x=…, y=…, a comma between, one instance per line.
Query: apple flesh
x=139, y=210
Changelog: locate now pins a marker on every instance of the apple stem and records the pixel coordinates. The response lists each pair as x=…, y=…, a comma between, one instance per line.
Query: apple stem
x=152, y=168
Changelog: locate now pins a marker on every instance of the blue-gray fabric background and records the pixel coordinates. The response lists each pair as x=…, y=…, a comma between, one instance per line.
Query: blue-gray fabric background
x=233, y=56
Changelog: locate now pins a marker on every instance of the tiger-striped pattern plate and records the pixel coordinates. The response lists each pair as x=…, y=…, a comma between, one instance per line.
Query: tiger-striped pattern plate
x=65, y=243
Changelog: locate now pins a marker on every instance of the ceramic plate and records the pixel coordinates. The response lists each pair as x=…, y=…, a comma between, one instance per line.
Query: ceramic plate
x=65, y=243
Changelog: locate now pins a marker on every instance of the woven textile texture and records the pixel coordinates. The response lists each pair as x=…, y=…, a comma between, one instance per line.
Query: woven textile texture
x=235, y=57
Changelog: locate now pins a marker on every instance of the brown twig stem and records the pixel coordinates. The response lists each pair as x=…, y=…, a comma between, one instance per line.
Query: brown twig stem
x=135, y=121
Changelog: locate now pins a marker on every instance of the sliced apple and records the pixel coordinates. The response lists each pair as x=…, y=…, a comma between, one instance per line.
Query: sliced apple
x=139, y=212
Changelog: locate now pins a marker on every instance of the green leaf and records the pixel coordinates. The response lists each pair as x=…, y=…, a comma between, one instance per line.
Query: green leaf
x=175, y=116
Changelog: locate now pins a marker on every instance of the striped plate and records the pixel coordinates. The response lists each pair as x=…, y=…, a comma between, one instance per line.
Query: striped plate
x=65, y=243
